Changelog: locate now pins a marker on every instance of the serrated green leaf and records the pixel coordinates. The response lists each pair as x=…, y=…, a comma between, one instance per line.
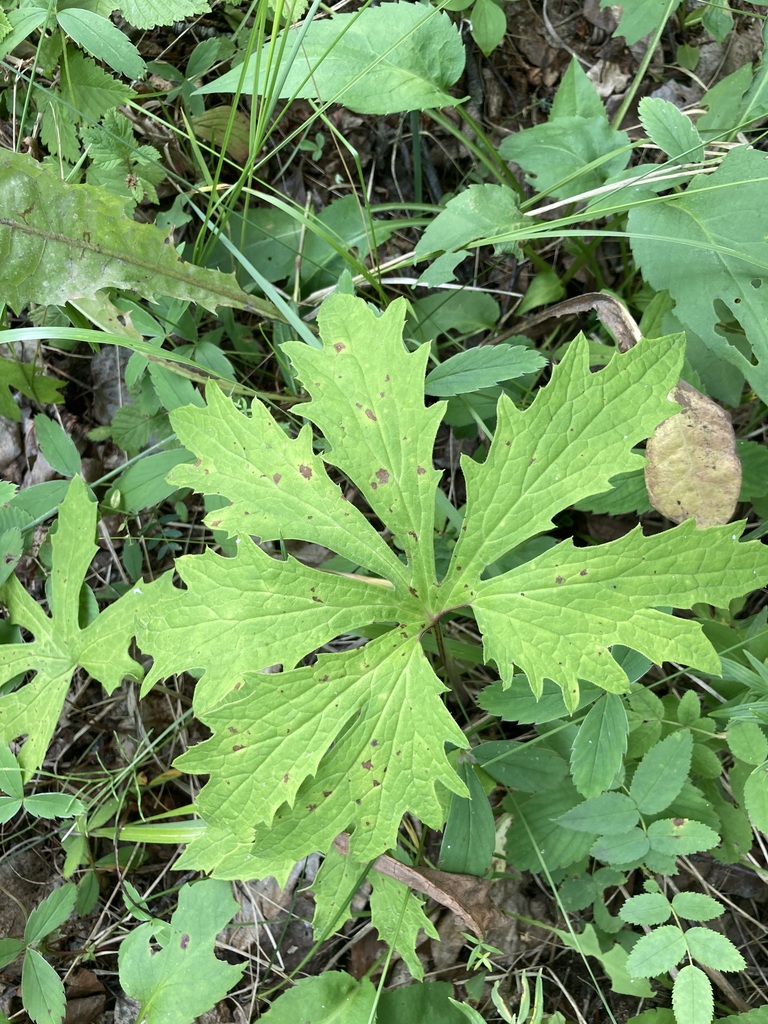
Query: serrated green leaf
x=610, y=814
x=102, y=40
x=42, y=990
x=657, y=952
x=756, y=797
x=747, y=741
x=647, y=908
x=365, y=779
x=57, y=447
x=59, y=644
x=696, y=906
x=628, y=848
x=150, y=13
x=335, y=884
x=54, y=805
x=670, y=130
x=692, y=998
x=9, y=807
x=489, y=24
x=600, y=745
x=660, y=775
x=689, y=709
x=10, y=773
x=88, y=89
x=160, y=979
x=331, y=997
x=398, y=916
x=713, y=949
x=481, y=367
x=10, y=949
x=469, y=836
x=80, y=241
x=676, y=837
x=343, y=61
x=52, y=912
x=524, y=766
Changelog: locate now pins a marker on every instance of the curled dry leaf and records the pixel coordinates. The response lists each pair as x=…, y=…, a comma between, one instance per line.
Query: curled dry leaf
x=693, y=469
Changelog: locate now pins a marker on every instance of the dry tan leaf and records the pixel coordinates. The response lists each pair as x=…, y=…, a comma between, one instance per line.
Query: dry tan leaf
x=212, y=127
x=693, y=470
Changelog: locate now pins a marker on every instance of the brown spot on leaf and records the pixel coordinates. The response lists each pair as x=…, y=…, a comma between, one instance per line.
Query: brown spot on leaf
x=306, y=472
x=198, y=462
x=339, y=346
x=376, y=783
x=387, y=378
x=368, y=765
x=583, y=572
x=237, y=746
x=327, y=793
x=382, y=476
x=286, y=777
x=369, y=413
x=232, y=729
x=317, y=600
x=559, y=579
x=374, y=743
x=184, y=941
x=420, y=470
x=277, y=477
x=374, y=485
x=215, y=523
x=311, y=807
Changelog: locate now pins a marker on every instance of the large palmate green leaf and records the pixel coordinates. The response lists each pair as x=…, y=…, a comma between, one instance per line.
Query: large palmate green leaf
x=60, y=644
x=63, y=243
x=354, y=740
x=707, y=247
x=381, y=60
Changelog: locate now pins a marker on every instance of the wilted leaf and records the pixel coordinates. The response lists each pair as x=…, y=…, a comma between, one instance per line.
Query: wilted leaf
x=693, y=469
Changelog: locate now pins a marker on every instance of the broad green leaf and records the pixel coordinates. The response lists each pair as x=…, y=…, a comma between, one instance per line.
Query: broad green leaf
x=479, y=212
x=23, y=23
x=334, y=886
x=343, y=228
x=87, y=89
x=398, y=916
x=516, y=702
x=660, y=775
x=79, y=241
x=671, y=130
x=610, y=814
x=469, y=836
x=756, y=797
x=143, y=484
x=42, y=990
x=640, y=17
x=647, y=908
x=343, y=61
x=689, y=709
x=692, y=998
x=102, y=40
x=329, y=998
x=57, y=447
x=535, y=837
x=706, y=247
x=747, y=741
x=10, y=774
x=713, y=949
x=524, y=766
x=696, y=906
x=657, y=952
x=481, y=367
x=577, y=95
x=150, y=13
x=614, y=961
x=16, y=376
x=9, y=808
x=458, y=312
x=162, y=979
x=60, y=645
x=51, y=913
x=600, y=745
x=678, y=837
x=489, y=24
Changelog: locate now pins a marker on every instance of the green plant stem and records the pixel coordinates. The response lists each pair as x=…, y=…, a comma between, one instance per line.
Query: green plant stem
x=629, y=99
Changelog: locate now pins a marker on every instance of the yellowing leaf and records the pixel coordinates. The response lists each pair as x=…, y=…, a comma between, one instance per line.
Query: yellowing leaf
x=693, y=469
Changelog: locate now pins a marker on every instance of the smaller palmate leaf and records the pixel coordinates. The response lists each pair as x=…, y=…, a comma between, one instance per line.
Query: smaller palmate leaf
x=646, y=908
x=51, y=913
x=713, y=949
x=600, y=745
x=696, y=906
x=42, y=990
x=10, y=774
x=609, y=814
x=657, y=952
x=660, y=775
x=398, y=916
x=59, y=644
